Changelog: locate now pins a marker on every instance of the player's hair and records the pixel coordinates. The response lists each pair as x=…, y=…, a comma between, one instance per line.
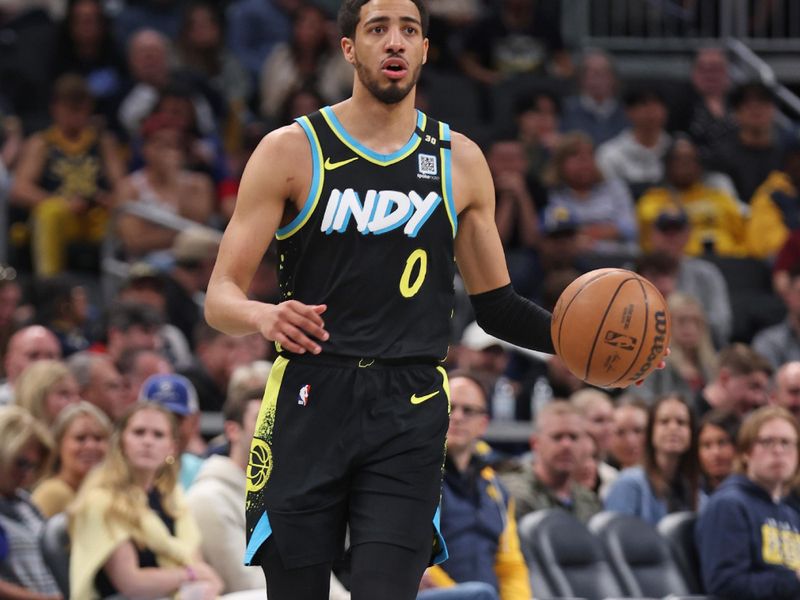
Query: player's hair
x=350, y=14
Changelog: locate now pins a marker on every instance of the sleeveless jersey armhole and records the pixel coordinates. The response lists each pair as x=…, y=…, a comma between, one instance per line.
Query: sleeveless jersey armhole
x=447, y=176
x=317, y=181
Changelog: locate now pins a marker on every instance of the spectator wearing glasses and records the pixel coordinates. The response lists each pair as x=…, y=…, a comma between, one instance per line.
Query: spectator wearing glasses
x=550, y=481
x=747, y=536
x=24, y=448
x=477, y=512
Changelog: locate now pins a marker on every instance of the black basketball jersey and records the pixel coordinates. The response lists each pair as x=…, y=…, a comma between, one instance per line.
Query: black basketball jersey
x=374, y=241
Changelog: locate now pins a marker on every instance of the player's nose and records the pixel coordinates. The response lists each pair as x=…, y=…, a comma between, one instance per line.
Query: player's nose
x=394, y=40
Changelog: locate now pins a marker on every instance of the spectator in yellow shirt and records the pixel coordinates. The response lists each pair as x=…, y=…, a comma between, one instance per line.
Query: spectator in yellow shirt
x=775, y=209
x=716, y=219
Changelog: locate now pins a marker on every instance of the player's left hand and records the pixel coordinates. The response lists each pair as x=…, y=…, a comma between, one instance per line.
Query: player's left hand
x=660, y=365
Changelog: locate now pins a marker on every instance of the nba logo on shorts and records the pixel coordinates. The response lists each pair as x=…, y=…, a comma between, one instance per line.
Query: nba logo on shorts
x=427, y=164
x=302, y=397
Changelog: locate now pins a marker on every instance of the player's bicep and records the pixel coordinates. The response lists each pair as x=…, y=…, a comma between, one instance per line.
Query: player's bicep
x=479, y=251
x=266, y=185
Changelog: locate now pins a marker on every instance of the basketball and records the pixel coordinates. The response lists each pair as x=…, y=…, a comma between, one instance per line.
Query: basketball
x=611, y=327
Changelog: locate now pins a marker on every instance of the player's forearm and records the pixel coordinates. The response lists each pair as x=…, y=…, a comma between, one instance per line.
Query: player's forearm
x=228, y=309
x=505, y=314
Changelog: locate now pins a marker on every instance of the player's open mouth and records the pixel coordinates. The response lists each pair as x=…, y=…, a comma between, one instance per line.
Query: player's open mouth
x=394, y=68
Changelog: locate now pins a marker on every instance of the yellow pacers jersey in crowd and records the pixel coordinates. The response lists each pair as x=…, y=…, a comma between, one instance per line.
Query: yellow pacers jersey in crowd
x=715, y=218
x=774, y=212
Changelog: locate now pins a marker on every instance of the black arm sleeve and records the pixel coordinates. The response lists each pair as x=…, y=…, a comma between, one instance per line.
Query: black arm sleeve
x=505, y=314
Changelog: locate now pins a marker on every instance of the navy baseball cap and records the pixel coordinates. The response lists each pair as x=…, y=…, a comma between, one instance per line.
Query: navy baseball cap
x=671, y=217
x=174, y=392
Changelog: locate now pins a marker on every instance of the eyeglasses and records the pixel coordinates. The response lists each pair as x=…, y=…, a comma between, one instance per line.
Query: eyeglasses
x=469, y=411
x=770, y=443
x=24, y=464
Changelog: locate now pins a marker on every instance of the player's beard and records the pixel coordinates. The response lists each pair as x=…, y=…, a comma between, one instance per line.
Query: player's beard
x=392, y=93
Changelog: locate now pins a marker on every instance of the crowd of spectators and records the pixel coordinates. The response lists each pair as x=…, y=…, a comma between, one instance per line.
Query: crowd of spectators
x=121, y=118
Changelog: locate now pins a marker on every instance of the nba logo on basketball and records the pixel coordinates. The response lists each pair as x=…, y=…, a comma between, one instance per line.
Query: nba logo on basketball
x=302, y=397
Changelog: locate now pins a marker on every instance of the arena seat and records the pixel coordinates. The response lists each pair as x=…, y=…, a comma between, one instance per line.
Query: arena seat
x=678, y=529
x=639, y=556
x=570, y=557
x=54, y=544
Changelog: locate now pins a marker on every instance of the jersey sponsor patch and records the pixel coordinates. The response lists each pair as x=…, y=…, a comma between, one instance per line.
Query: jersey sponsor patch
x=427, y=164
x=380, y=211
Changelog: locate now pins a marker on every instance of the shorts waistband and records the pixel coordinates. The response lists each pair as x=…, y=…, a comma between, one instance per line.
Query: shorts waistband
x=354, y=362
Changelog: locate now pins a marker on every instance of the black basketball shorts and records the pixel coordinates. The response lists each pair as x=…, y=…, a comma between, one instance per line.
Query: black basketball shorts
x=341, y=442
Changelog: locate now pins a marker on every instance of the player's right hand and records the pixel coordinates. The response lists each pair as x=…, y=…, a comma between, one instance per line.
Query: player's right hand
x=293, y=325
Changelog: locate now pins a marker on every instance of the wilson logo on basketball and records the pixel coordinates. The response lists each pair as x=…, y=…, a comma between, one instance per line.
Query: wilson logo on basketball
x=620, y=340
x=657, y=349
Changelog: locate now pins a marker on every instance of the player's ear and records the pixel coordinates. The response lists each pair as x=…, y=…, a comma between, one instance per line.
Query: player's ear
x=348, y=49
x=425, y=45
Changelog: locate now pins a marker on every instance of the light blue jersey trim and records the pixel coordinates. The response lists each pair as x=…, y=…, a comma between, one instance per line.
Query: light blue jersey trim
x=261, y=533
x=363, y=151
x=437, y=526
x=447, y=178
x=317, y=179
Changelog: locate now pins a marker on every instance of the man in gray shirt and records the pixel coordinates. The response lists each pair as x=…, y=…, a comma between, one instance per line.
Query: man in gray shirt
x=781, y=343
x=696, y=277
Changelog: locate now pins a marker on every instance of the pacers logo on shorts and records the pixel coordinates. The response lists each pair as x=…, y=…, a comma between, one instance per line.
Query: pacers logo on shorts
x=260, y=465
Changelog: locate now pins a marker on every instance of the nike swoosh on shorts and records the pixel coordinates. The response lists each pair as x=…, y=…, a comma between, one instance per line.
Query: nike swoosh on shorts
x=420, y=399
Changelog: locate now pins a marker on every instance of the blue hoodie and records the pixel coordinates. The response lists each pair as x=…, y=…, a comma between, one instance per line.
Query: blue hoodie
x=748, y=544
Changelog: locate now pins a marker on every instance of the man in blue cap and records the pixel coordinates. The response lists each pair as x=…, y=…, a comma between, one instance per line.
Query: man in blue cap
x=177, y=395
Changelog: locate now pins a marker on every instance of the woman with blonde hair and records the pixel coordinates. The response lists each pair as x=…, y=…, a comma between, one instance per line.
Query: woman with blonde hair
x=131, y=532
x=747, y=536
x=81, y=434
x=692, y=360
x=45, y=388
x=602, y=208
x=25, y=447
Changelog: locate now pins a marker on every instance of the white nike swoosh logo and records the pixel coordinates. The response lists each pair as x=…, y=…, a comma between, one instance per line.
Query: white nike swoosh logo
x=420, y=399
x=329, y=166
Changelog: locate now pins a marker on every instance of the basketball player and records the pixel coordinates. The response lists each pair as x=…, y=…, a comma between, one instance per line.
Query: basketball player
x=370, y=201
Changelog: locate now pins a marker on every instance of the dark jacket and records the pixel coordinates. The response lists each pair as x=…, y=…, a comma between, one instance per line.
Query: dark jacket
x=748, y=544
x=478, y=523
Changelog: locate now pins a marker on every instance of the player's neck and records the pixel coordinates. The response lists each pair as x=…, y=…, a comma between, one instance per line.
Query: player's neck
x=384, y=128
